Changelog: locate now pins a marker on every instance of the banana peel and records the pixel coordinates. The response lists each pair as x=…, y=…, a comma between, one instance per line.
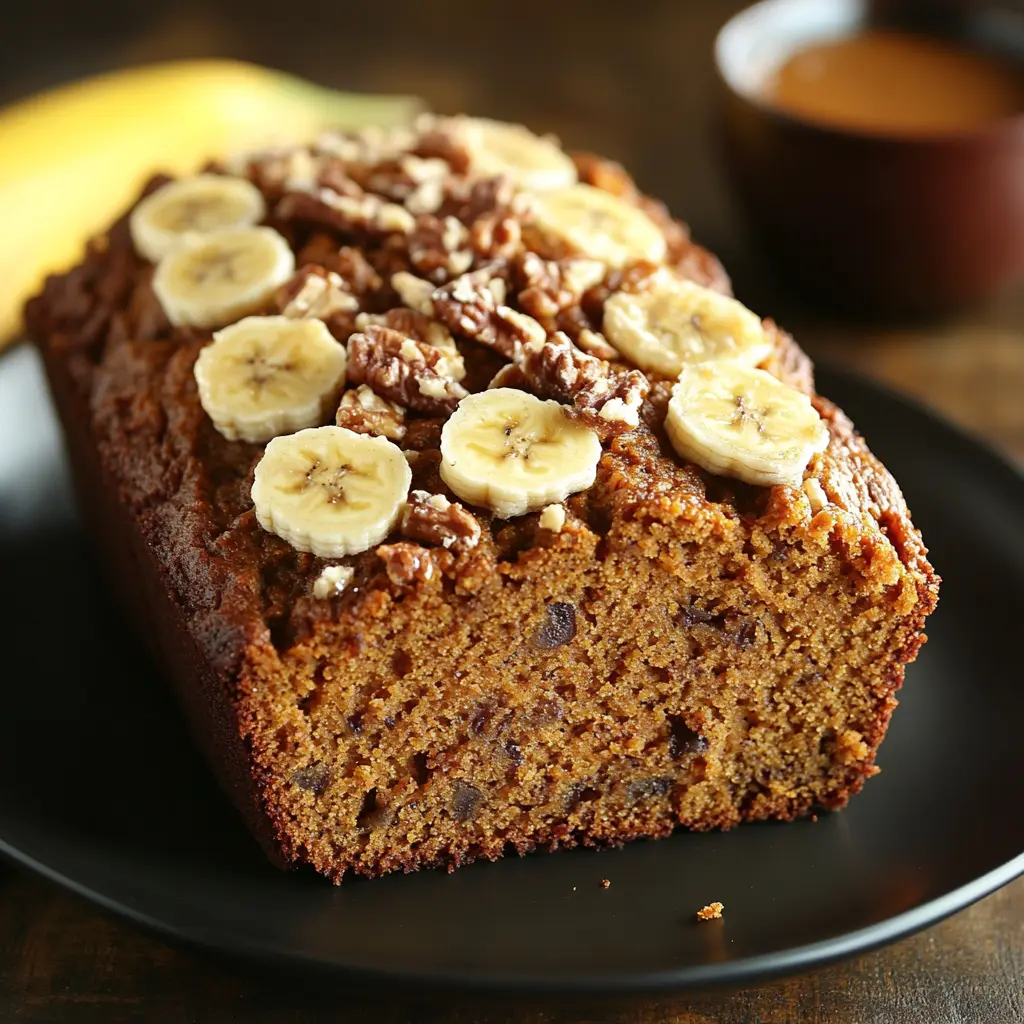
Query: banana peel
x=73, y=158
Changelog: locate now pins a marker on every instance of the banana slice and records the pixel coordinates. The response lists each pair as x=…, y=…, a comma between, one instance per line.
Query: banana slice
x=675, y=322
x=494, y=148
x=737, y=421
x=183, y=211
x=599, y=224
x=270, y=375
x=509, y=451
x=331, y=491
x=222, y=277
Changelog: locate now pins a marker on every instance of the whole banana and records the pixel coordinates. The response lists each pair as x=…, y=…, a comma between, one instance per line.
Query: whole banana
x=72, y=158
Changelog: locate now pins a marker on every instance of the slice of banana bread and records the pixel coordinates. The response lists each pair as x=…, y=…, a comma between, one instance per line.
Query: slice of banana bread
x=495, y=525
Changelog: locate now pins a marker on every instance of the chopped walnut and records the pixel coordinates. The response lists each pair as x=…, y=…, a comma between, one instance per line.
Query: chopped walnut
x=367, y=413
x=492, y=210
x=372, y=145
x=332, y=581
x=524, y=328
x=552, y=291
x=496, y=236
x=434, y=519
x=346, y=213
x=302, y=172
x=403, y=370
x=554, y=367
x=556, y=284
x=358, y=275
x=437, y=247
x=356, y=271
x=453, y=233
x=474, y=305
x=426, y=197
x=414, y=292
x=420, y=185
x=315, y=292
x=815, y=494
x=436, y=141
x=552, y=518
x=276, y=171
x=607, y=402
x=472, y=199
x=407, y=564
x=420, y=328
x=420, y=169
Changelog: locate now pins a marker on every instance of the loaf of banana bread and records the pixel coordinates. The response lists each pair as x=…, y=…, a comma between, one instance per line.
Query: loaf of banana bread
x=466, y=508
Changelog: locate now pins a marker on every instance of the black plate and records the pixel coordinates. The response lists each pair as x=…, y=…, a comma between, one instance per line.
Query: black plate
x=101, y=790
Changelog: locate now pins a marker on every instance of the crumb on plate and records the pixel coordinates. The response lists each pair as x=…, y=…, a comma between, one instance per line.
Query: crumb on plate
x=712, y=912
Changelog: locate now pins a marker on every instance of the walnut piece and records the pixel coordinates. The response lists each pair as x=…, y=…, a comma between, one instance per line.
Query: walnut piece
x=438, y=141
x=372, y=145
x=276, y=171
x=429, y=179
x=402, y=370
x=553, y=366
x=815, y=494
x=407, y=564
x=315, y=292
x=552, y=517
x=356, y=271
x=414, y=292
x=332, y=581
x=607, y=402
x=553, y=285
x=367, y=413
x=437, y=247
x=421, y=328
x=496, y=236
x=493, y=210
x=474, y=305
x=353, y=213
x=552, y=292
x=434, y=519
x=359, y=277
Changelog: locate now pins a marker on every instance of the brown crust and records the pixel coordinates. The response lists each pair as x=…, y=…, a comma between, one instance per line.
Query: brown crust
x=227, y=605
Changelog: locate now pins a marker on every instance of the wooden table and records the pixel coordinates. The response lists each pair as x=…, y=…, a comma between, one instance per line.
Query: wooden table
x=633, y=81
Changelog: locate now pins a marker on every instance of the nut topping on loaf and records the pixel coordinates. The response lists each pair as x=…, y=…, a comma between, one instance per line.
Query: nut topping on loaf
x=658, y=319
x=497, y=524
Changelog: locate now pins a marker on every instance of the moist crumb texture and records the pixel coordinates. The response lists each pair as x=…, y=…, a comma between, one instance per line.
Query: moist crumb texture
x=667, y=647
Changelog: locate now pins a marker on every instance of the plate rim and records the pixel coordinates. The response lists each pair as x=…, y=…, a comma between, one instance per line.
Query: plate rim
x=763, y=967
x=750, y=969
